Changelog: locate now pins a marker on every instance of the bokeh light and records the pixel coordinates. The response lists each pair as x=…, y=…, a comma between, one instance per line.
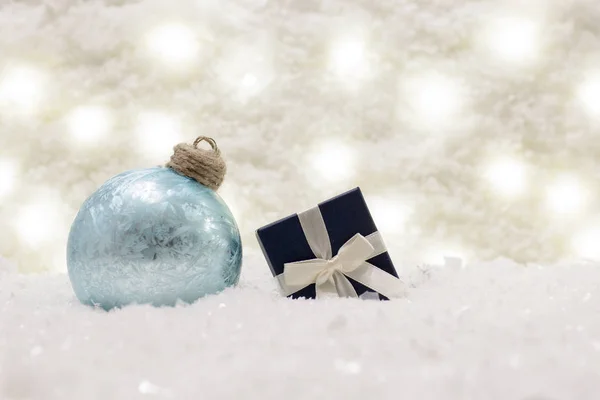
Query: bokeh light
x=507, y=176
x=566, y=195
x=246, y=68
x=513, y=39
x=173, y=44
x=435, y=98
x=37, y=222
x=390, y=214
x=21, y=88
x=334, y=161
x=249, y=81
x=8, y=176
x=348, y=58
x=157, y=133
x=586, y=244
x=89, y=124
x=589, y=94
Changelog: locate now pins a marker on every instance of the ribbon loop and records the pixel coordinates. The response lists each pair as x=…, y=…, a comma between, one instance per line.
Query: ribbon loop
x=353, y=253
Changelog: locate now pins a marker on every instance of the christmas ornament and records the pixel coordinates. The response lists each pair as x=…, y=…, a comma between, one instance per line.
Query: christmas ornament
x=156, y=235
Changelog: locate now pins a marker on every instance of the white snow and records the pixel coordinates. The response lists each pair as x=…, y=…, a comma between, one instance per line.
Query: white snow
x=490, y=331
x=7, y=266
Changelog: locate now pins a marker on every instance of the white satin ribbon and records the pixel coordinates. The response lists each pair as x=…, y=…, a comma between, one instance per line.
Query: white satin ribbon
x=330, y=274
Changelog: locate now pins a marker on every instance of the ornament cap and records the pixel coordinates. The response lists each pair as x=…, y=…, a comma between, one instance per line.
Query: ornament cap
x=207, y=167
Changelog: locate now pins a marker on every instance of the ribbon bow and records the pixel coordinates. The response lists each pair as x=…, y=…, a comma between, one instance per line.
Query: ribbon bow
x=330, y=274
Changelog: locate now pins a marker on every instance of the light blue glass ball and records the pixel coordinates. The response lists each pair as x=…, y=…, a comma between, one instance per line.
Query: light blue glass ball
x=152, y=236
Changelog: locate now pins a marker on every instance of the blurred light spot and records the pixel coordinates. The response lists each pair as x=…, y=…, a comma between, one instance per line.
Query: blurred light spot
x=586, y=244
x=507, y=176
x=157, y=134
x=566, y=195
x=21, y=88
x=434, y=98
x=36, y=223
x=246, y=68
x=334, y=161
x=249, y=80
x=348, y=58
x=389, y=215
x=589, y=94
x=8, y=176
x=89, y=124
x=513, y=39
x=173, y=44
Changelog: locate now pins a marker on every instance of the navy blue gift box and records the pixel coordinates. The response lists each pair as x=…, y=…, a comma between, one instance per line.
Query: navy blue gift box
x=345, y=216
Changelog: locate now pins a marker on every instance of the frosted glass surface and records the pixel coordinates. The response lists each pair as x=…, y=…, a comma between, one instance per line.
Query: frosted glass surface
x=152, y=236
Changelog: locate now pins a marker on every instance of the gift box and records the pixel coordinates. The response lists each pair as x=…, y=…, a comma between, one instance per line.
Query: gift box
x=333, y=249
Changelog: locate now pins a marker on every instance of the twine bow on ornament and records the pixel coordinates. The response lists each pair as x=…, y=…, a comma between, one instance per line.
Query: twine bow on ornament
x=207, y=167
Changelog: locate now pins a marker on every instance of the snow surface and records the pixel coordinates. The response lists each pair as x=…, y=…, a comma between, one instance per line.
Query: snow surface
x=494, y=331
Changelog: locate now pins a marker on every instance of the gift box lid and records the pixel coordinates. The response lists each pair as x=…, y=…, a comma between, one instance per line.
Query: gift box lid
x=344, y=216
